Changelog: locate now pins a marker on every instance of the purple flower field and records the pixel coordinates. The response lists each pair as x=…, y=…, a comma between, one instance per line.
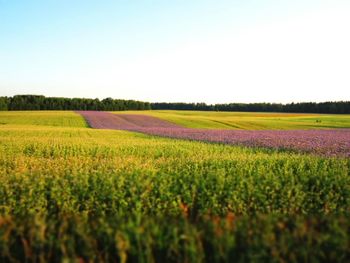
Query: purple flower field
x=106, y=120
x=331, y=142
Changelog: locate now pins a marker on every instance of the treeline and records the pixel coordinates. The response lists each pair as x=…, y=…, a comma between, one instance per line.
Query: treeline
x=38, y=102
x=339, y=107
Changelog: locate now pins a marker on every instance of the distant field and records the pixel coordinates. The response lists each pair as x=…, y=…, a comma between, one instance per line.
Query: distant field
x=330, y=142
x=42, y=118
x=248, y=120
x=69, y=193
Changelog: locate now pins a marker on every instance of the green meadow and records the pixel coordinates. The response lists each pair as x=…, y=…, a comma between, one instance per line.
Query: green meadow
x=248, y=120
x=69, y=193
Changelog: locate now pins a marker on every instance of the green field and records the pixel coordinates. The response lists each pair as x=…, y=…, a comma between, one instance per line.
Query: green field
x=248, y=120
x=42, y=118
x=69, y=193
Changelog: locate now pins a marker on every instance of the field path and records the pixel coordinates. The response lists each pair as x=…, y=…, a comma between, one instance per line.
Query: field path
x=331, y=142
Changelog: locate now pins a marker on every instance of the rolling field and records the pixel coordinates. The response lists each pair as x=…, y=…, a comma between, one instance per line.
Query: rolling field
x=328, y=142
x=248, y=120
x=69, y=193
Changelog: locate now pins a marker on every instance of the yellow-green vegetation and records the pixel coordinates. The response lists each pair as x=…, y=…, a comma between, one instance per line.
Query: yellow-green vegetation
x=42, y=118
x=78, y=194
x=248, y=120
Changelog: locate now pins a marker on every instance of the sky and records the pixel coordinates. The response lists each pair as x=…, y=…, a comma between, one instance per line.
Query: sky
x=209, y=51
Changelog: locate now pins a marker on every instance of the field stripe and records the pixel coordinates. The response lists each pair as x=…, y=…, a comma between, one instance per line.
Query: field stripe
x=332, y=142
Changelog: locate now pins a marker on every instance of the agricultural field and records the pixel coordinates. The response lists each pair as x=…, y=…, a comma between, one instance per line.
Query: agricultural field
x=123, y=193
x=330, y=142
x=41, y=118
x=248, y=120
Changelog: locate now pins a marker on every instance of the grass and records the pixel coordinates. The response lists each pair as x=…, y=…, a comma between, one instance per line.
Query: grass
x=78, y=194
x=249, y=121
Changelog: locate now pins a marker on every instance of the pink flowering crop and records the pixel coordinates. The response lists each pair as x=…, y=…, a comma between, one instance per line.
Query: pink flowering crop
x=331, y=142
x=106, y=120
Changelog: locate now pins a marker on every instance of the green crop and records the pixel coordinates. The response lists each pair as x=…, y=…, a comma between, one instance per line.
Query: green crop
x=42, y=118
x=78, y=194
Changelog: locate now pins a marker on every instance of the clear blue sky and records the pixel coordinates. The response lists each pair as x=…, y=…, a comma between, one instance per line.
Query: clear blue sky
x=190, y=51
